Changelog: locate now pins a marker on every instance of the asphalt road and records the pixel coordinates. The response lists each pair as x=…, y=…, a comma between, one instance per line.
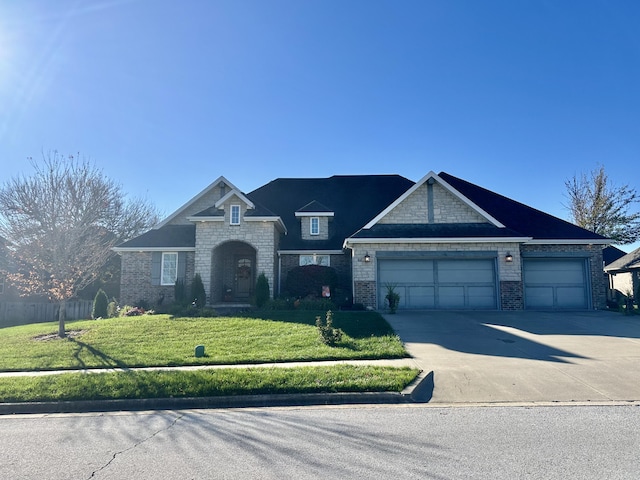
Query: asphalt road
x=399, y=442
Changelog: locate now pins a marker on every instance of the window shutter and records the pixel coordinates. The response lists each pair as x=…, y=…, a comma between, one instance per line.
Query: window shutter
x=156, y=266
x=182, y=266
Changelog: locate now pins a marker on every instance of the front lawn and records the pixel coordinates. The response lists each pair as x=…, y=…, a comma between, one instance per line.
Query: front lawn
x=159, y=340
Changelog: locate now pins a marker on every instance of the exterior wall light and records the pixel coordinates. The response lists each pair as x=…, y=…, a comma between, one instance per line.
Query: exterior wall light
x=367, y=257
x=508, y=257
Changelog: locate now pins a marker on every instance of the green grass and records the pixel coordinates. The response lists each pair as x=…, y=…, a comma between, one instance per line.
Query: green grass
x=204, y=383
x=159, y=340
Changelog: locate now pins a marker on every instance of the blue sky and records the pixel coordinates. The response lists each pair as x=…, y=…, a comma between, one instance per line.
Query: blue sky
x=165, y=96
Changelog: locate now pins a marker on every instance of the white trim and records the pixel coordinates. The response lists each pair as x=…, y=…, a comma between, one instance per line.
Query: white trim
x=162, y=268
x=212, y=185
x=311, y=232
x=446, y=186
x=238, y=194
x=605, y=241
x=436, y=240
x=310, y=252
x=315, y=214
x=154, y=249
x=231, y=211
x=217, y=218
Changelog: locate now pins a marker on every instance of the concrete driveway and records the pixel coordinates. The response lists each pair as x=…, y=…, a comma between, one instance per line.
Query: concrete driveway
x=479, y=357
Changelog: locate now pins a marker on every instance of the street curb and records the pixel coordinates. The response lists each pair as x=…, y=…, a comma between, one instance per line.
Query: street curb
x=413, y=393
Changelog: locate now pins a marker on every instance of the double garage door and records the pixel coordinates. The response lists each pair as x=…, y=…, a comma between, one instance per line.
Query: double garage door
x=440, y=283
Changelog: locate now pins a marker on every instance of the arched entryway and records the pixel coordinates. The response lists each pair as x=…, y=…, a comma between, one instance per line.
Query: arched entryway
x=233, y=272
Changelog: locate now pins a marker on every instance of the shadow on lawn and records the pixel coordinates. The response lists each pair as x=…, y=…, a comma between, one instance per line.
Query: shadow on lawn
x=354, y=324
x=105, y=360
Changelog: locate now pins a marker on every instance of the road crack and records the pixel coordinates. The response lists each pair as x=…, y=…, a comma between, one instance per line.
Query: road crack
x=134, y=446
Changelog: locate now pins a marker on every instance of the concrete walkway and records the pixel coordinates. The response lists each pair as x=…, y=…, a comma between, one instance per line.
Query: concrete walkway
x=495, y=357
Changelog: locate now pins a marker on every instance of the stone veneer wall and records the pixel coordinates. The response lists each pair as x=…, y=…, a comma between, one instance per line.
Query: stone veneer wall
x=594, y=254
x=305, y=228
x=447, y=208
x=262, y=236
x=136, y=280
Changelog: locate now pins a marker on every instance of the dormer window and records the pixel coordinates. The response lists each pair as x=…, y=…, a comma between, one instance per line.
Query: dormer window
x=234, y=218
x=315, y=226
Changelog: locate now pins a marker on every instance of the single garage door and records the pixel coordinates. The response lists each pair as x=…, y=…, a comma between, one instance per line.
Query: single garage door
x=555, y=283
x=439, y=283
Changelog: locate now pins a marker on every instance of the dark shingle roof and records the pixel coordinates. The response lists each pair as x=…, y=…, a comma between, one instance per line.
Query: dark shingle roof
x=519, y=217
x=355, y=200
x=169, y=236
x=314, y=207
x=436, y=230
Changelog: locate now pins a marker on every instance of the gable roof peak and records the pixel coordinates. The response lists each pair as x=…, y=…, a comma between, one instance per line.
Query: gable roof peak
x=219, y=182
x=431, y=178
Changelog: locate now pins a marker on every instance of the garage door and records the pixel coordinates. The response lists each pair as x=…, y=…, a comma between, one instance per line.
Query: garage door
x=439, y=283
x=555, y=283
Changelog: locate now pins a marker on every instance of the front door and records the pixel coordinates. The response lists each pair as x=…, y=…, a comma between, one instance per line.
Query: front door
x=243, y=278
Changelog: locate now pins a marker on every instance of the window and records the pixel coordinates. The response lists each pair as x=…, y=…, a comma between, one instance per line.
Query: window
x=1, y=284
x=314, y=260
x=315, y=226
x=169, y=272
x=235, y=215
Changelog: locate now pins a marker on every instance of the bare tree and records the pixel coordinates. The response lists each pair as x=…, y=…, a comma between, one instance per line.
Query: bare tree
x=601, y=207
x=60, y=224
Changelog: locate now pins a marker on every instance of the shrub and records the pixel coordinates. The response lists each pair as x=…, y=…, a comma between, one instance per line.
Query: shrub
x=262, y=290
x=329, y=335
x=100, y=305
x=198, y=292
x=393, y=297
x=314, y=304
x=112, y=309
x=180, y=292
x=309, y=280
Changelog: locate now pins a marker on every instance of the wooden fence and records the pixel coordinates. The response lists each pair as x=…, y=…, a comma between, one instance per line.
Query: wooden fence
x=22, y=313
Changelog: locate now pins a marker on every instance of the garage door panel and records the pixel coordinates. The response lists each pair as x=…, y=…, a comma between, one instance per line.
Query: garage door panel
x=420, y=297
x=467, y=271
x=570, y=297
x=451, y=297
x=539, y=297
x=482, y=296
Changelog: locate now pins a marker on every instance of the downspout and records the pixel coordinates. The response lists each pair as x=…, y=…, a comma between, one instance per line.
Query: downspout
x=279, y=273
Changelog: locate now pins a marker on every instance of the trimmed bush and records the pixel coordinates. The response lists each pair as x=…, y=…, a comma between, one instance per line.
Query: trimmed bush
x=262, y=290
x=309, y=280
x=197, y=292
x=100, y=305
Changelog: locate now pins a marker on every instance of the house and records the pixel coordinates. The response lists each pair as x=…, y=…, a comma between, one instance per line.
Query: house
x=624, y=274
x=444, y=243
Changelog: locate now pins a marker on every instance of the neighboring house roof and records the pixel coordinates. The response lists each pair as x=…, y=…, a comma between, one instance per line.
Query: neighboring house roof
x=610, y=254
x=174, y=237
x=631, y=261
x=354, y=199
x=521, y=218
